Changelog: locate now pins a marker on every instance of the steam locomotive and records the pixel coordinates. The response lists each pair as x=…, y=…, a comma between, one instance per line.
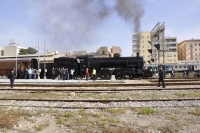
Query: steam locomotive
x=121, y=67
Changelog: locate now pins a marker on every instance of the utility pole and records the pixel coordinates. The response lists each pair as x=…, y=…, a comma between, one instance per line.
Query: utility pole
x=44, y=63
x=16, y=61
x=38, y=60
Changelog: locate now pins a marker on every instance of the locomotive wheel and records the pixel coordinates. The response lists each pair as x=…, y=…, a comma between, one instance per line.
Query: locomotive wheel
x=108, y=76
x=102, y=76
x=118, y=77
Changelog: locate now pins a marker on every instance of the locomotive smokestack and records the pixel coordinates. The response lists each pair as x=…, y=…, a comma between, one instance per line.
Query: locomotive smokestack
x=138, y=54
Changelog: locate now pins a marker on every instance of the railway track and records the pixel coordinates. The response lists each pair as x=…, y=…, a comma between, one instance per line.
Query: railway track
x=78, y=88
x=106, y=90
x=98, y=101
x=83, y=107
x=107, y=103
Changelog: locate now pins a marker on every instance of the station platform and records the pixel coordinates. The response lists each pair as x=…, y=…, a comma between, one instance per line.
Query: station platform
x=49, y=81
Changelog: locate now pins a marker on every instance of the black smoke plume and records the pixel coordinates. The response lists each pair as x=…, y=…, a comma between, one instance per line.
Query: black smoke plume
x=73, y=24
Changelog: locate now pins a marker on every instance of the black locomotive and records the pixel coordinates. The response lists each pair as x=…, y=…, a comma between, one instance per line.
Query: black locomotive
x=121, y=67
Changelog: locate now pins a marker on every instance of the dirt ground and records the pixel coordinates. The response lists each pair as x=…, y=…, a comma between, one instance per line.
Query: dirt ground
x=161, y=120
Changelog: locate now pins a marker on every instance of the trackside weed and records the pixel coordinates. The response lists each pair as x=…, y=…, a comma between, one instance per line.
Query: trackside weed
x=146, y=111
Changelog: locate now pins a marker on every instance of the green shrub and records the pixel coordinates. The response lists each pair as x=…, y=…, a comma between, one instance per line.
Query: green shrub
x=146, y=111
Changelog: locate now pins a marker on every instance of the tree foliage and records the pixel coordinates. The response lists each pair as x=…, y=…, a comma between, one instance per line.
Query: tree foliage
x=30, y=50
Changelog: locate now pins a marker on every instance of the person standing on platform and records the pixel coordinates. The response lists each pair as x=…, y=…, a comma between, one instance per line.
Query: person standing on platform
x=35, y=73
x=71, y=73
x=59, y=73
x=67, y=74
x=187, y=73
x=198, y=73
x=184, y=73
x=161, y=77
x=172, y=74
x=15, y=72
x=64, y=74
x=87, y=73
x=12, y=79
x=25, y=73
x=30, y=73
x=53, y=73
x=94, y=74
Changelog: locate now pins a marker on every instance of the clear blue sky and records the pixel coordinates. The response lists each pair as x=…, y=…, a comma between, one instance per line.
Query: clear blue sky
x=70, y=25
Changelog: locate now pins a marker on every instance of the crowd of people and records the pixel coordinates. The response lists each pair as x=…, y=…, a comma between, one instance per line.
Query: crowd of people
x=25, y=73
x=62, y=73
x=198, y=73
x=66, y=74
x=185, y=73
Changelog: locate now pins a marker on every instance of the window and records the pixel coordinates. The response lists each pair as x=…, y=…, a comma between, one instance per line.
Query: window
x=180, y=66
x=175, y=66
x=184, y=66
x=148, y=37
x=174, y=55
x=195, y=44
x=169, y=60
x=174, y=60
x=143, y=45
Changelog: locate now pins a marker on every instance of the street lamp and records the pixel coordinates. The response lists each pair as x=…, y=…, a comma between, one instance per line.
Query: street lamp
x=13, y=43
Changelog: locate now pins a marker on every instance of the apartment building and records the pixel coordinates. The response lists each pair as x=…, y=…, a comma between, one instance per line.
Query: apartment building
x=135, y=44
x=168, y=53
x=143, y=45
x=189, y=50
